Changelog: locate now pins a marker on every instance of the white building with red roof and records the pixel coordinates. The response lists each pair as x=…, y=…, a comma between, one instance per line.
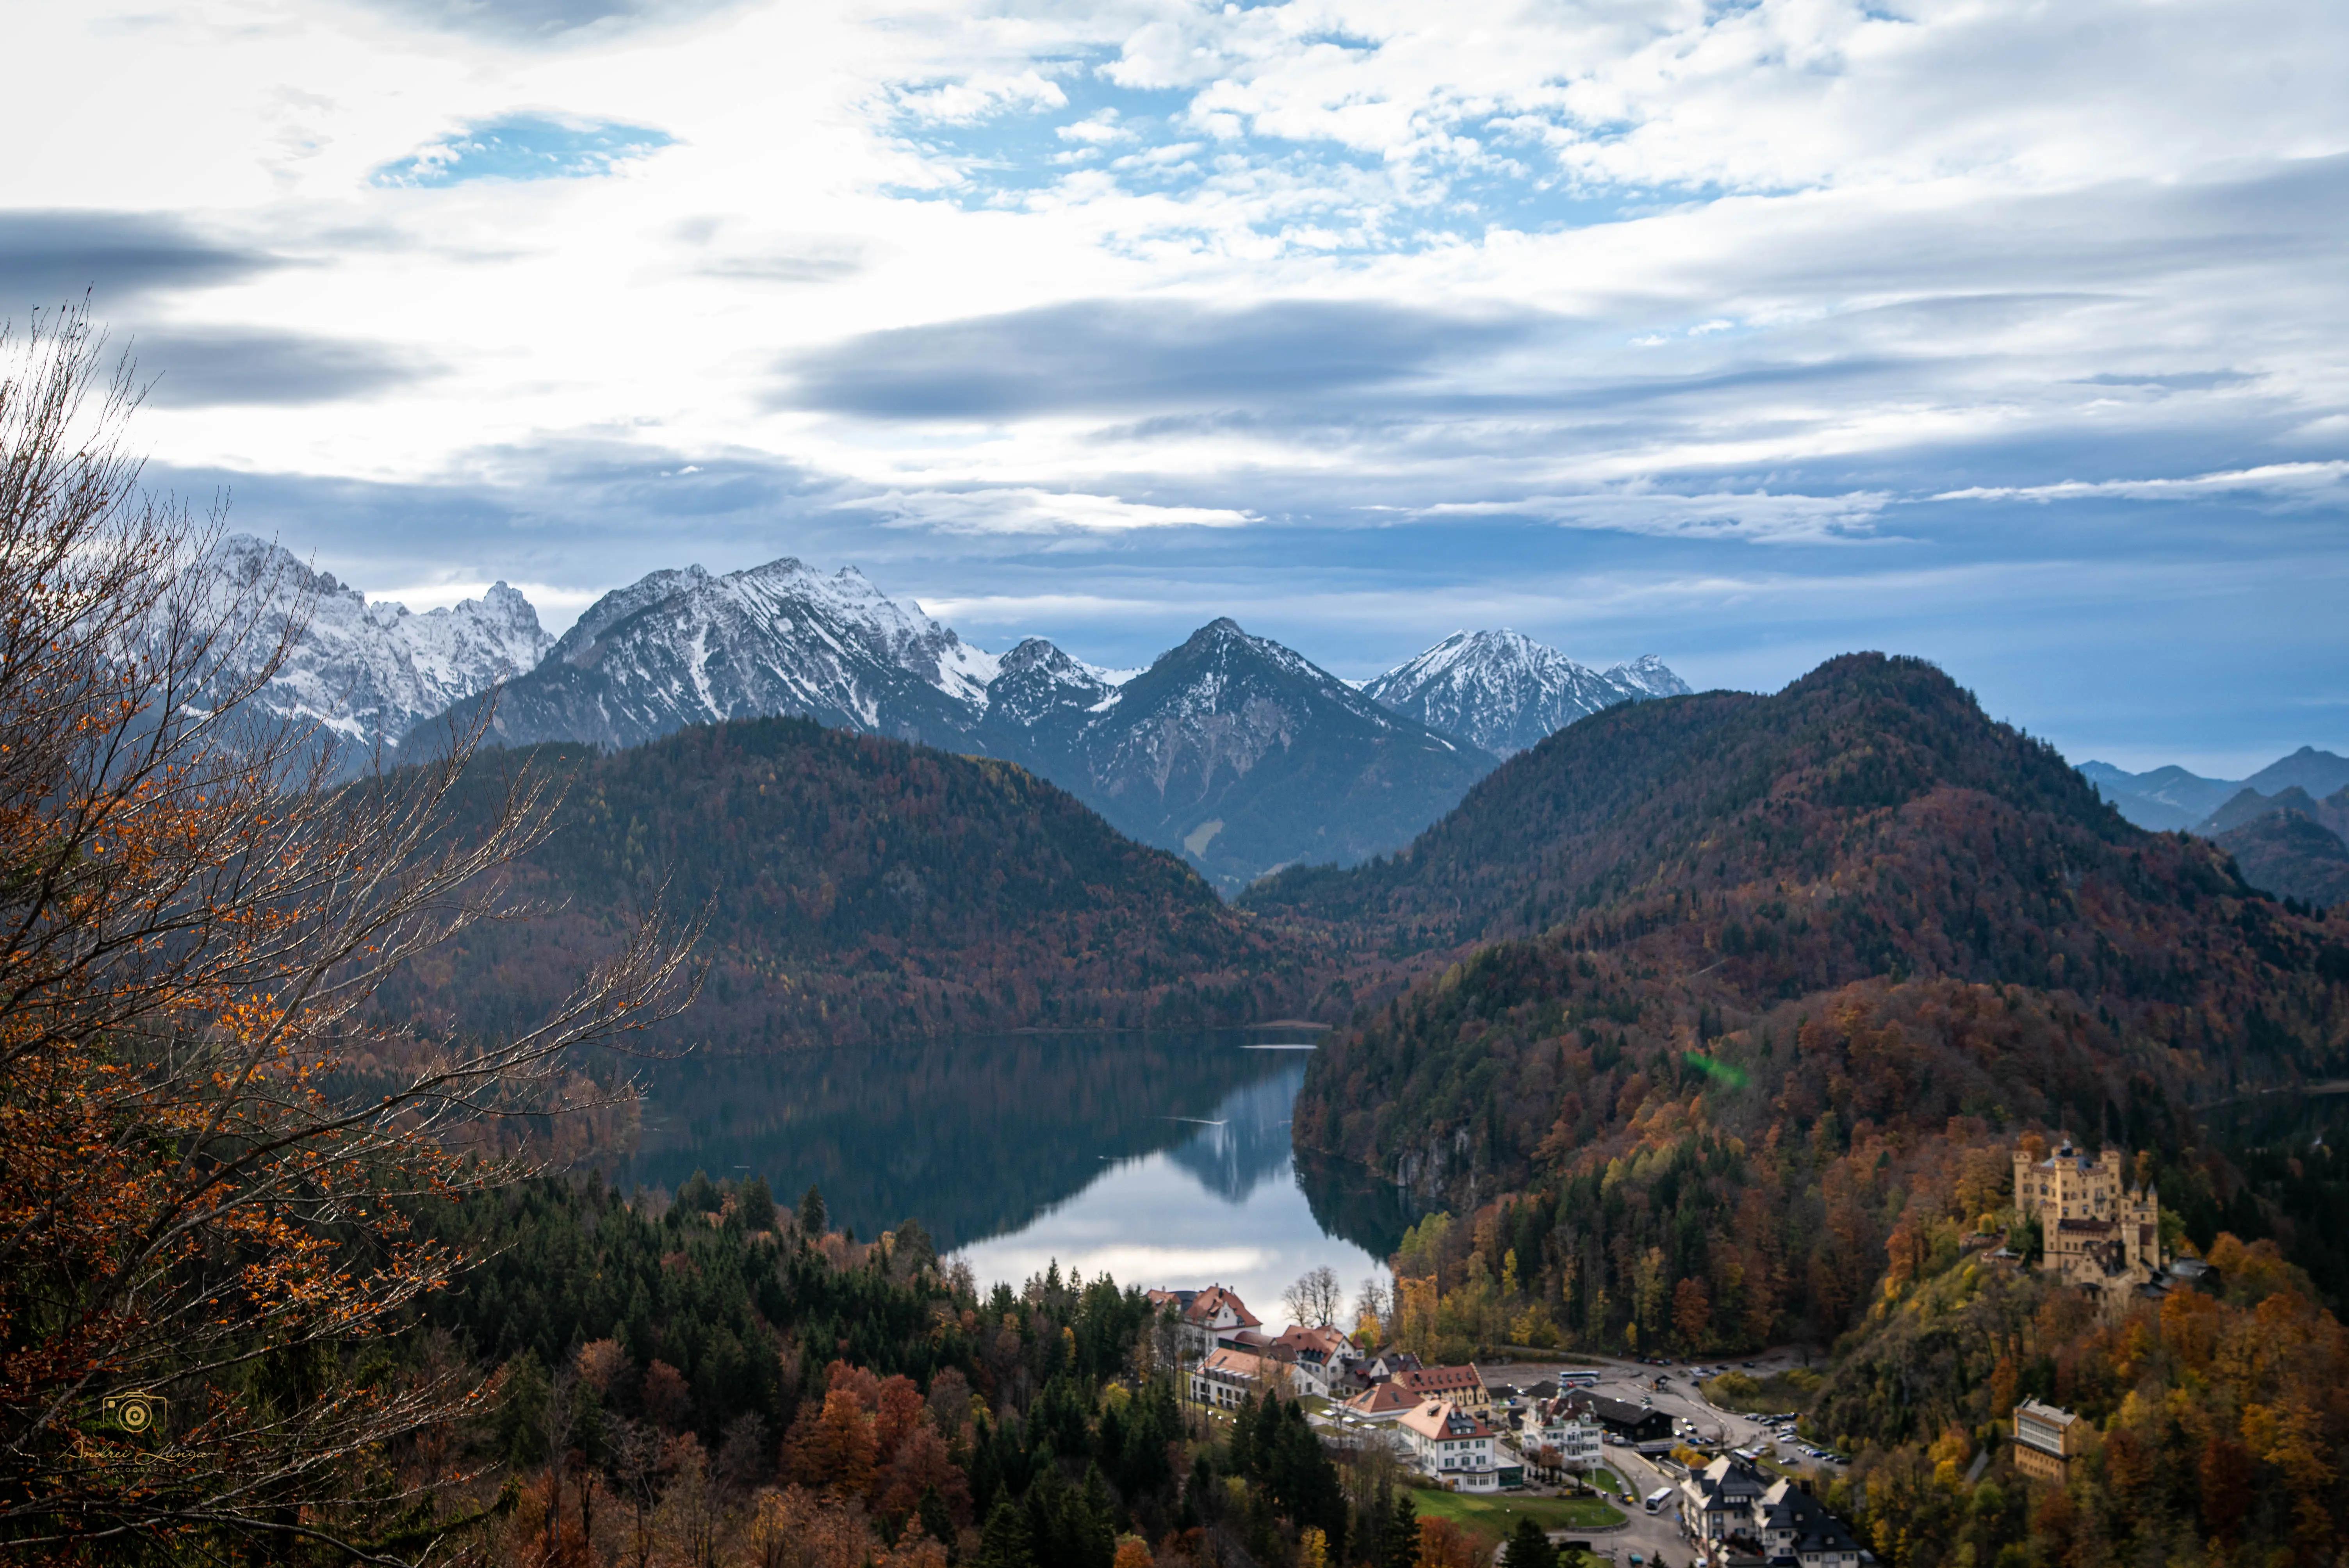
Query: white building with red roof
x=1323, y=1359
x=1456, y=1446
x=1210, y=1317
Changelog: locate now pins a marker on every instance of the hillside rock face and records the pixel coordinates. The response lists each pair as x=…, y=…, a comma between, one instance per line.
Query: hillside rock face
x=1503, y=692
x=368, y=673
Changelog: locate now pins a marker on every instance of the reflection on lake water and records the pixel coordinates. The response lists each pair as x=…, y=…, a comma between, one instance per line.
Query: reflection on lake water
x=1162, y=1160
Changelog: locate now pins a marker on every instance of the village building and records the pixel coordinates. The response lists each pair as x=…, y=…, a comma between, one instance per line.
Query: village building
x=1718, y=1502
x=1383, y=1402
x=1323, y=1360
x=1378, y=1368
x=2046, y=1440
x=1642, y=1426
x=1741, y=1516
x=1210, y=1317
x=1460, y=1385
x=1554, y=1436
x=1227, y=1377
x=2096, y=1231
x=1455, y=1446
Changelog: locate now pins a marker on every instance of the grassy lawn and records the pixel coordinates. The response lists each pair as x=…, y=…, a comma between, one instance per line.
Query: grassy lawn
x=1493, y=1515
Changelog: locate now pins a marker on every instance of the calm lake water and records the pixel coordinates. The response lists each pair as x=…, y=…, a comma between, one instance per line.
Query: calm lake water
x=1162, y=1160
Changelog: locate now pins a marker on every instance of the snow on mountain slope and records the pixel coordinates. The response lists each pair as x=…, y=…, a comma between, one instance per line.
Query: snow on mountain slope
x=367, y=672
x=1245, y=756
x=1650, y=674
x=686, y=647
x=1504, y=692
x=1037, y=682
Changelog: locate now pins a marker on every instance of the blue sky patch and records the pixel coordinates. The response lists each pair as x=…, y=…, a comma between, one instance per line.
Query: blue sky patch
x=524, y=146
x=1495, y=174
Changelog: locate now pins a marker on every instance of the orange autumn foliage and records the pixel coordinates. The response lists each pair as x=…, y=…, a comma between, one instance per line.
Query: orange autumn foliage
x=208, y=1149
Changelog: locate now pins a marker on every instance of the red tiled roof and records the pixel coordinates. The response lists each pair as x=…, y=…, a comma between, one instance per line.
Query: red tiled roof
x=1208, y=1302
x=1442, y=1418
x=1425, y=1380
x=1241, y=1363
x=1319, y=1341
x=1380, y=1398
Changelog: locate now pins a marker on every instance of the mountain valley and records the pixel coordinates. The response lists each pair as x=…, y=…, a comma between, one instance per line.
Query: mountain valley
x=2287, y=825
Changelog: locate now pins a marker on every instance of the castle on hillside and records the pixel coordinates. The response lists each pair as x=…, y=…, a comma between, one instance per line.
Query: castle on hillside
x=2096, y=1231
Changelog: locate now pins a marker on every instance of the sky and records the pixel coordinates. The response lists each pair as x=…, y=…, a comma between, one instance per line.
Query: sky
x=2007, y=332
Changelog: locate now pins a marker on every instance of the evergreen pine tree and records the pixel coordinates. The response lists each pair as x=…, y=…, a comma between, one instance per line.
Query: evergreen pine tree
x=1243, y=1444
x=1006, y=1542
x=1529, y=1547
x=1400, y=1549
x=1093, y=1532
x=938, y=1523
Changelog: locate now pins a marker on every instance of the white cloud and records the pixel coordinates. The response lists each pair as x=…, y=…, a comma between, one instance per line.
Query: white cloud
x=1759, y=516
x=2281, y=482
x=1096, y=129
x=981, y=96
x=1945, y=238
x=1026, y=509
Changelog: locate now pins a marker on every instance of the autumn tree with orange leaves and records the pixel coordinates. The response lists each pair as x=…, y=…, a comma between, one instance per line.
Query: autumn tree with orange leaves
x=209, y=1139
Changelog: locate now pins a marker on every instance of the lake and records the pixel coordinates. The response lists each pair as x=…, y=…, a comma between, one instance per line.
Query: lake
x=1162, y=1160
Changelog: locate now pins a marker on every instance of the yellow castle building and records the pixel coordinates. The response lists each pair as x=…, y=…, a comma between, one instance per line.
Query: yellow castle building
x=2095, y=1230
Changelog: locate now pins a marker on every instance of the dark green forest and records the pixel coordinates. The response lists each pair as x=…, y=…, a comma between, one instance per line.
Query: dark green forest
x=855, y=890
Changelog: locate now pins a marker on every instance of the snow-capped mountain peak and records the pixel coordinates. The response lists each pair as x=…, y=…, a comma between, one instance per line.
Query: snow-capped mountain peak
x=1037, y=681
x=1503, y=691
x=370, y=671
x=683, y=648
x=1649, y=675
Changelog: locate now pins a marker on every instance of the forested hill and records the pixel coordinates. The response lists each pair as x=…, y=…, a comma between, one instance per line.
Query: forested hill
x=856, y=889
x=1810, y=962
x=1704, y=792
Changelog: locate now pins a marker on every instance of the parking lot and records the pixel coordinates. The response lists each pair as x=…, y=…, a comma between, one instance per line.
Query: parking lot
x=1657, y=1538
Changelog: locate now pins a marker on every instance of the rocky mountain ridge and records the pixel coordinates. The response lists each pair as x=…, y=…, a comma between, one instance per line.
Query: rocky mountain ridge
x=1245, y=756
x=369, y=672
x=1504, y=692
x=1231, y=750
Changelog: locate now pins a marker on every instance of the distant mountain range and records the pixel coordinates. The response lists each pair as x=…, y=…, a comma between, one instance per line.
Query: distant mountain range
x=2287, y=825
x=2169, y=799
x=1232, y=750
